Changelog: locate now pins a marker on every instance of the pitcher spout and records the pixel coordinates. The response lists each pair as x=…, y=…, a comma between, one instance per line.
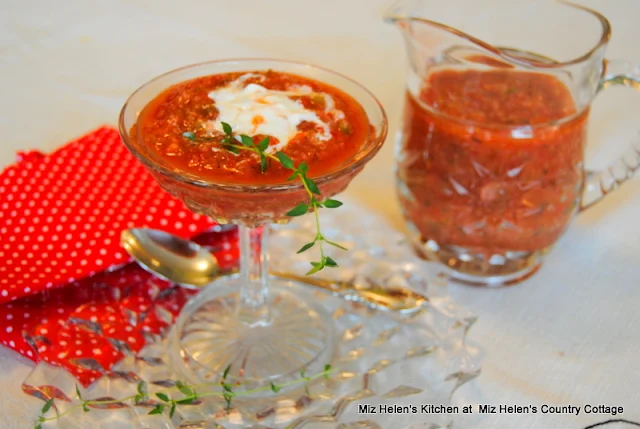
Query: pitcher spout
x=400, y=12
x=439, y=30
x=429, y=41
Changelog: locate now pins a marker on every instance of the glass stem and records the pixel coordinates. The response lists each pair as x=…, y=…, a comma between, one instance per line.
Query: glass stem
x=254, y=271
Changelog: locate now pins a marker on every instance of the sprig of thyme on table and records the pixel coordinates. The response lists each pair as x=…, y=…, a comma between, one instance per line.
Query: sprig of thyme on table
x=172, y=398
x=243, y=142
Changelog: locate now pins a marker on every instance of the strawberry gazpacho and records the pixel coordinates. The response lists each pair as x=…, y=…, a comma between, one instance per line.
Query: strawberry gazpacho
x=308, y=120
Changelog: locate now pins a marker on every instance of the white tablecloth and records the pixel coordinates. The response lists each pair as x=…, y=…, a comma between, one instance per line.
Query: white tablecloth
x=568, y=336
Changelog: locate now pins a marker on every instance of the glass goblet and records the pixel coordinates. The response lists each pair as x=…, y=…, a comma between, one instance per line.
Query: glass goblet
x=263, y=329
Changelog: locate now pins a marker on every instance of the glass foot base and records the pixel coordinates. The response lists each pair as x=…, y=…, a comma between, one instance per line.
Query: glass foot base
x=213, y=333
x=477, y=268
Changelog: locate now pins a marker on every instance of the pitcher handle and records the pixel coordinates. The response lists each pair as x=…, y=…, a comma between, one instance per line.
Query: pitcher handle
x=600, y=183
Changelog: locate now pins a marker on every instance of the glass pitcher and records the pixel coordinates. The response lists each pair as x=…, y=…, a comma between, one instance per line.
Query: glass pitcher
x=490, y=159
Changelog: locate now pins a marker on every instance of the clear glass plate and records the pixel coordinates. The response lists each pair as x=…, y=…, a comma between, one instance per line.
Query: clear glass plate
x=381, y=359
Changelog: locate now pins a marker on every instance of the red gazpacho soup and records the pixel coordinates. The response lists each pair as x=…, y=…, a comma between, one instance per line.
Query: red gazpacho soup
x=308, y=120
x=492, y=160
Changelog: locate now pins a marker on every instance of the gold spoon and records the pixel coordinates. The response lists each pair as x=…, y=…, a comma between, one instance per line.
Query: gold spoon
x=189, y=264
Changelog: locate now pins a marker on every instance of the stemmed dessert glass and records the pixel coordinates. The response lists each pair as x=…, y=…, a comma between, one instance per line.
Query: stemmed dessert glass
x=265, y=330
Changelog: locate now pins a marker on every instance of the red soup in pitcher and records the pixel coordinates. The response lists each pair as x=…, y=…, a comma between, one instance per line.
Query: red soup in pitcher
x=490, y=163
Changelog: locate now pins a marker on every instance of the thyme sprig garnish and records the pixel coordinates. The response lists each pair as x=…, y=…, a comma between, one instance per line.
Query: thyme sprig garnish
x=236, y=143
x=173, y=397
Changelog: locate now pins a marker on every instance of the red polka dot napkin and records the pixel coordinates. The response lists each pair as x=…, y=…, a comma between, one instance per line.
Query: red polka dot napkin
x=87, y=326
x=68, y=294
x=61, y=215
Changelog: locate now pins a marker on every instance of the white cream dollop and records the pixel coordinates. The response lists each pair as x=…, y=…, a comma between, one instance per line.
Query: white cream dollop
x=254, y=109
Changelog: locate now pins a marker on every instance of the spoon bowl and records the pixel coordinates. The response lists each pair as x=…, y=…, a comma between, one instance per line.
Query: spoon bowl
x=170, y=257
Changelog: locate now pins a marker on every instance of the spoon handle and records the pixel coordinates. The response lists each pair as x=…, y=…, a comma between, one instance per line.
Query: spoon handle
x=343, y=289
x=395, y=299
x=330, y=285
